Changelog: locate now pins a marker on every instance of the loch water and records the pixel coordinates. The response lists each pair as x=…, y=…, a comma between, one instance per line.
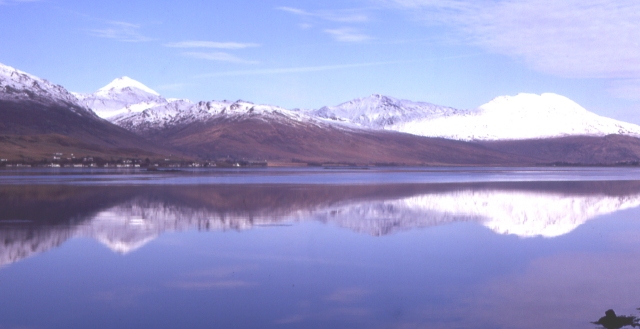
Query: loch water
x=319, y=248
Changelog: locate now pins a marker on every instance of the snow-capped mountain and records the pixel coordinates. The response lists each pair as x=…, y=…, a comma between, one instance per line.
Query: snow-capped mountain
x=383, y=112
x=524, y=116
x=134, y=106
x=245, y=130
x=17, y=86
x=181, y=112
x=122, y=95
x=31, y=106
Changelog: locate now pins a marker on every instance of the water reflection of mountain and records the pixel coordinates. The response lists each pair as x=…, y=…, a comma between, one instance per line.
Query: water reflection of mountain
x=37, y=218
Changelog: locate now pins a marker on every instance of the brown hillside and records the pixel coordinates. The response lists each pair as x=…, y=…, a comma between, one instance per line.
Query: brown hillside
x=255, y=138
x=32, y=131
x=585, y=150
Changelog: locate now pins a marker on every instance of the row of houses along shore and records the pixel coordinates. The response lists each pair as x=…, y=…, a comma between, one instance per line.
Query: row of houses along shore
x=60, y=160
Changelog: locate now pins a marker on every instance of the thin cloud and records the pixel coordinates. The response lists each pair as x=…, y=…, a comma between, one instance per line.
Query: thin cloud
x=321, y=68
x=288, y=70
x=343, y=16
x=571, y=38
x=348, y=35
x=121, y=31
x=211, y=44
x=9, y=2
x=219, y=57
x=295, y=11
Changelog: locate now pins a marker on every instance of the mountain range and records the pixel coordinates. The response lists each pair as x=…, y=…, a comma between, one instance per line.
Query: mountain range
x=128, y=119
x=39, y=118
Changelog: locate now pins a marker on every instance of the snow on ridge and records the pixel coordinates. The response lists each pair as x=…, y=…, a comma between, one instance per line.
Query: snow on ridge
x=17, y=85
x=524, y=116
x=183, y=111
x=133, y=106
x=9, y=72
x=382, y=112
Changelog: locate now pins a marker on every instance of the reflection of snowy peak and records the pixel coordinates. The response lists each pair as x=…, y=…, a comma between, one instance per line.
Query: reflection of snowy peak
x=128, y=225
x=131, y=225
x=525, y=214
x=16, y=85
x=17, y=244
x=524, y=116
x=122, y=95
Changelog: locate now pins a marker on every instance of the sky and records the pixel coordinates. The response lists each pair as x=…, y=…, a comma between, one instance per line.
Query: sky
x=308, y=54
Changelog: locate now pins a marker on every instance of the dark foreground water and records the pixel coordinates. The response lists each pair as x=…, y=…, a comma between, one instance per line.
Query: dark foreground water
x=396, y=248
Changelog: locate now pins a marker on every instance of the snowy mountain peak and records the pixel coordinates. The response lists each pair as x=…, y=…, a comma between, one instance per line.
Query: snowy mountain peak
x=381, y=112
x=16, y=85
x=125, y=83
x=8, y=72
x=534, y=105
x=122, y=95
x=374, y=99
x=524, y=116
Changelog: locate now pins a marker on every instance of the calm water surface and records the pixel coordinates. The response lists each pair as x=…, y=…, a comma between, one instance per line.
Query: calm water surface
x=386, y=248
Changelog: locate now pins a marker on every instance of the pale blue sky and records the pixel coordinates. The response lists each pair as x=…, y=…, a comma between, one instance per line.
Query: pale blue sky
x=307, y=54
